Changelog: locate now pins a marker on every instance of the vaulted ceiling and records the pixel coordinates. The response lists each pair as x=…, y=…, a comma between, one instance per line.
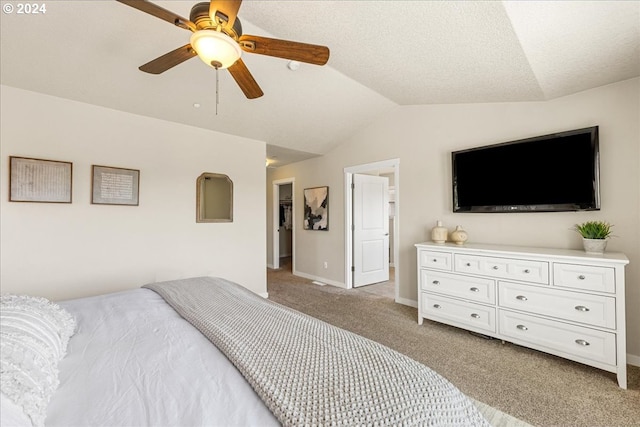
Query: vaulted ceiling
x=383, y=54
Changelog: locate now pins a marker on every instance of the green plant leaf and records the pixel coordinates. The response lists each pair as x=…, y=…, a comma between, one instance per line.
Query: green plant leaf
x=594, y=229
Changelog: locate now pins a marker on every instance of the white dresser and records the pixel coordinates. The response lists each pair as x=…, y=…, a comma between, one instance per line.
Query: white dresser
x=562, y=302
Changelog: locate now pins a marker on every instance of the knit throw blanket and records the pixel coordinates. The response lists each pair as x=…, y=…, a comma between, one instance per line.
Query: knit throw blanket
x=310, y=373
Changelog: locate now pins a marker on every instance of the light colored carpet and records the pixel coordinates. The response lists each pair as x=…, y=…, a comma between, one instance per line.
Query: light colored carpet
x=537, y=388
x=498, y=418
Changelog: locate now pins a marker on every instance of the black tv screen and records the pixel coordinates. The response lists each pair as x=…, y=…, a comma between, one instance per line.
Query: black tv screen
x=556, y=172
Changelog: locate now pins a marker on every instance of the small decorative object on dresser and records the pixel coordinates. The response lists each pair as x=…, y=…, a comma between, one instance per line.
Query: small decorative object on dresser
x=439, y=233
x=459, y=236
x=559, y=301
x=594, y=235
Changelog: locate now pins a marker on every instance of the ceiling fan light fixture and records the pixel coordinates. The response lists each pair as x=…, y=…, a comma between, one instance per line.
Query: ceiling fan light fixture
x=215, y=48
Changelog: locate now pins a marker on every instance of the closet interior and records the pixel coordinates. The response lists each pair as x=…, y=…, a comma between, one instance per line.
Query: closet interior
x=285, y=229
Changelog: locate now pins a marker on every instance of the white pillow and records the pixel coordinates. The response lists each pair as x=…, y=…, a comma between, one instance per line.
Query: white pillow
x=34, y=333
x=12, y=415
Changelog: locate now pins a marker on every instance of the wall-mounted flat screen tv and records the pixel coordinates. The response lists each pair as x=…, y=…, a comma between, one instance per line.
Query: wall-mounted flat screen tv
x=549, y=173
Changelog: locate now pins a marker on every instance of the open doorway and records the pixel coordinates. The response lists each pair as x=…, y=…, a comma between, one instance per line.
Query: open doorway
x=391, y=170
x=283, y=224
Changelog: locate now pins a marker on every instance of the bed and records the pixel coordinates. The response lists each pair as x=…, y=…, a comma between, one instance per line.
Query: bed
x=206, y=352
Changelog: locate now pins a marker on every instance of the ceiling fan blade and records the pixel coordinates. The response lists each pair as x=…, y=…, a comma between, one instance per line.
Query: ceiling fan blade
x=245, y=80
x=228, y=8
x=169, y=60
x=161, y=13
x=303, y=52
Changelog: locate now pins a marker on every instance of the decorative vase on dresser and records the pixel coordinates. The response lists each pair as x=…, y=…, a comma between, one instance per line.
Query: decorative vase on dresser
x=439, y=233
x=562, y=302
x=459, y=236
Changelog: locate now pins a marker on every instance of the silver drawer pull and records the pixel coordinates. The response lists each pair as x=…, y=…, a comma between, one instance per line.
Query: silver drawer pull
x=495, y=267
x=527, y=271
x=582, y=342
x=521, y=298
x=468, y=264
x=436, y=282
x=581, y=277
x=522, y=328
x=436, y=305
x=581, y=308
x=434, y=260
x=475, y=316
x=474, y=289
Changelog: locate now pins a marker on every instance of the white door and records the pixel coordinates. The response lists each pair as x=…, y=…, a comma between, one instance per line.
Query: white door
x=370, y=229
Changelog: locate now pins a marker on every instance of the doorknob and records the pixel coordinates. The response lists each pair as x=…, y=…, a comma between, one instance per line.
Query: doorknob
x=386, y=234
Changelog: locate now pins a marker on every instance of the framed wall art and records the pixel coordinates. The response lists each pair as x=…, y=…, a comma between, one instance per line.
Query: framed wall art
x=39, y=180
x=316, y=208
x=114, y=186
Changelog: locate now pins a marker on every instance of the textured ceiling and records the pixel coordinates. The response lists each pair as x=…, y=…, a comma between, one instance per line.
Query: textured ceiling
x=383, y=54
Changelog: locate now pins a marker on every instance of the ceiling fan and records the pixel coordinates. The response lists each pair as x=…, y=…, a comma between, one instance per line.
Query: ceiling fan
x=218, y=40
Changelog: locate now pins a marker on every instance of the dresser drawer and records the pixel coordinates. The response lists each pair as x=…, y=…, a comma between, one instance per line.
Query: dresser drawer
x=434, y=259
x=504, y=268
x=472, y=288
x=595, y=310
x=459, y=313
x=560, y=337
x=584, y=277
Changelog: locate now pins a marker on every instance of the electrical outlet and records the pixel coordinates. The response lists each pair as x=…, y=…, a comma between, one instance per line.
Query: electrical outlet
x=326, y=264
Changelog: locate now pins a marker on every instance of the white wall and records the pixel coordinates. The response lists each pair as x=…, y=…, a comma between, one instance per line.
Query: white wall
x=63, y=251
x=422, y=137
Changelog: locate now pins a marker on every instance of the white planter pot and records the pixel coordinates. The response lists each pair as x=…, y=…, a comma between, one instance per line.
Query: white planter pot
x=594, y=246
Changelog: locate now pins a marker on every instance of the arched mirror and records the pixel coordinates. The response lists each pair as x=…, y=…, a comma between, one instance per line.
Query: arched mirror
x=214, y=198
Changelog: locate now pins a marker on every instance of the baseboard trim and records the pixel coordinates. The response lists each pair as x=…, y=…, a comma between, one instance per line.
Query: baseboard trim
x=320, y=279
x=264, y=295
x=270, y=266
x=632, y=359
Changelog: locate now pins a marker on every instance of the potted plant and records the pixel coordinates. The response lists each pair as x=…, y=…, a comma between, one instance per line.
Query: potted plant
x=594, y=235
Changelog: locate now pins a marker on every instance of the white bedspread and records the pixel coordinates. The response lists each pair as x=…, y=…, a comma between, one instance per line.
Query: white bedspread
x=134, y=361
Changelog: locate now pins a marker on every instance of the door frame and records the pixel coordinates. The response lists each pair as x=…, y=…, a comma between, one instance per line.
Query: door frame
x=276, y=222
x=348, y=217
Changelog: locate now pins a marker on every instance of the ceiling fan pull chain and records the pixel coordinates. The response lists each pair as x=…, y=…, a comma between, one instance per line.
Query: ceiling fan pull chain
x=217, y=89
x=217, y=65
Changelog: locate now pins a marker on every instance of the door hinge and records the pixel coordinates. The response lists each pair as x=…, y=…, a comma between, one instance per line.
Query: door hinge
x=353, y=186
x=353, y=227
x=353, y=269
